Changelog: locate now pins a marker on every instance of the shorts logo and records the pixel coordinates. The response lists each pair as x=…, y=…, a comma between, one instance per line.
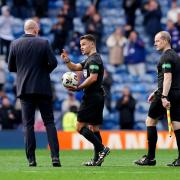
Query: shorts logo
x=85, y=73
x=167, y=65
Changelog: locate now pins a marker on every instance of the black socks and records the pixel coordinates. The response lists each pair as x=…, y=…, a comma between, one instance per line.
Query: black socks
x=177, y=134
x=152, y=140
x=90, y=136
x=98, y=135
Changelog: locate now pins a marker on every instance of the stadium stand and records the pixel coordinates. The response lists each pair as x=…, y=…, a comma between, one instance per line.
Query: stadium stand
x=112, y=15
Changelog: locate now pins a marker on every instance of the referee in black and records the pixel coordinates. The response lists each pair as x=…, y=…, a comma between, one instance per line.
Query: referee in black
x=32, y=59
x=166, y=96
x=91, y=108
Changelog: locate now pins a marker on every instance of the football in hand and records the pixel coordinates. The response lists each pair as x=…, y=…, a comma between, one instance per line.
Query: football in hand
x=70, y=79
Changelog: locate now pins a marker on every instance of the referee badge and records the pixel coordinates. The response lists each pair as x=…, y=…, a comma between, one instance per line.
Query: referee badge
x=85, y=73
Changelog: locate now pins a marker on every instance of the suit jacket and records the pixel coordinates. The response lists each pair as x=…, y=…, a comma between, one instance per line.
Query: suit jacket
x=32, y=59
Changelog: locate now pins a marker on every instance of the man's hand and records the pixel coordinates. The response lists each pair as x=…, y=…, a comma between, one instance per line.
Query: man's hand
x=64, y=56
x=166, y=104
x=125, y=100
x=72, y=88
x=11, y=116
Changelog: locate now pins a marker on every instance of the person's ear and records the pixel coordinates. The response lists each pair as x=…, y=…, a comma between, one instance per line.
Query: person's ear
x=36, y=31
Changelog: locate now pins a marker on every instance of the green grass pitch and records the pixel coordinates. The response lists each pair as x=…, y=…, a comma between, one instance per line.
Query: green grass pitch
x=118, y=165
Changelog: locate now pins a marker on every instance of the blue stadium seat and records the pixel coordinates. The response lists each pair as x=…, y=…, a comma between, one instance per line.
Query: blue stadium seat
x=18, y=27
x=140, y=116
x=10, y=78
x=46, y=25
x=8, y=88
x=142, y=107
x=11, y=97
x=78, y=25
x=140, y=125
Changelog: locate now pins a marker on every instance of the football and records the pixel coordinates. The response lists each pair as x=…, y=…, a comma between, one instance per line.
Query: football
x=69, y=79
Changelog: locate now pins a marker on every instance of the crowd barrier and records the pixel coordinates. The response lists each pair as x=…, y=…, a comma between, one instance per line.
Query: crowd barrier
x=116, y=140
x=74, y=141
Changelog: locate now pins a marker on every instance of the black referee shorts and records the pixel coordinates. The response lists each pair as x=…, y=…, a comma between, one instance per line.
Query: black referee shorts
x=91, y=109
x=157, y=111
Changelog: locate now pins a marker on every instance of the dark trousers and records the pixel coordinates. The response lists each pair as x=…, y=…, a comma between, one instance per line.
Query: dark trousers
x=6, y=44
x=44, y=104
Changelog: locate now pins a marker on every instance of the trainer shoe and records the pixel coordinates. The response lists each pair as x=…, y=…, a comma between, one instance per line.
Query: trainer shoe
x=92, y=162
x=145, y=161
x=89, y=163
x=32, y=162
x=102, y=155
x=176, y=162
x=56, y=162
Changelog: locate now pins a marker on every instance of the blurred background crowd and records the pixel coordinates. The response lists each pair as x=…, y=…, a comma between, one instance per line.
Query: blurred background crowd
x=124, y=30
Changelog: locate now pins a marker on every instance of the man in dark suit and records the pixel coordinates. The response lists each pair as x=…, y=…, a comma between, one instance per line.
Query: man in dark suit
x=33, y=60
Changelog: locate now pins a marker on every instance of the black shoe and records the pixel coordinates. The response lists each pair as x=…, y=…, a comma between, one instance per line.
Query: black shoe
x=32, y=163
x=56, y=162
x=102, y=155
x=176, y=162
x=92, y=162
x=145, y=161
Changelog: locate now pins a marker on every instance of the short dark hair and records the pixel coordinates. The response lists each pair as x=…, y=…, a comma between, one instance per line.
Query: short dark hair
x=73, y=109
x=89, y=37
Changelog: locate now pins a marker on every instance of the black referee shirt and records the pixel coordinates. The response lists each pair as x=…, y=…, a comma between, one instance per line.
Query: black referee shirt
x=169, y=62
x=93, y=64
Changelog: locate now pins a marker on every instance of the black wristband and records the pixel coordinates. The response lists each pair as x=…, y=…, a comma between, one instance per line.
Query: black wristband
x=162, y=97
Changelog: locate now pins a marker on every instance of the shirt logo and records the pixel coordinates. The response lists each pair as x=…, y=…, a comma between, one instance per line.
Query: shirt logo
x=85, y=73
x=94, y=67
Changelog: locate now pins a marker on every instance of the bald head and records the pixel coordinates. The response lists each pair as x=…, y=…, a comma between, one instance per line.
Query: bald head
x=31, y=27
x=165, y=36
x=162, y=41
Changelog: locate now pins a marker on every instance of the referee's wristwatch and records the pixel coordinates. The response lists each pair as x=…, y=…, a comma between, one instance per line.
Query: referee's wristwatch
x=164, y=97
